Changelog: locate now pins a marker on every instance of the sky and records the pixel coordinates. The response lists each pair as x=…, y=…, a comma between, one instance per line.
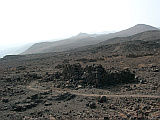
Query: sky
x=29, y=21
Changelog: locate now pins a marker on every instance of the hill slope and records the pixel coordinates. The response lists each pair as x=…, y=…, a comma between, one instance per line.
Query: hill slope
x=15, y=50
x=145, y=36
x=119, y=44
x=84, y=39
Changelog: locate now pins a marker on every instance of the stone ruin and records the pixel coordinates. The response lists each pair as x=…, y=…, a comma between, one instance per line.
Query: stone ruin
x=95, y=75
x=73, y=72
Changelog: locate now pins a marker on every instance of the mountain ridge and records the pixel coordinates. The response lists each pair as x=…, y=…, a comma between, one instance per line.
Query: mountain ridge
x=83, y=39
x=147, y=36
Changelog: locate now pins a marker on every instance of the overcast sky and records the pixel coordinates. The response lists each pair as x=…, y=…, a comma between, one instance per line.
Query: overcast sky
x=27, y=21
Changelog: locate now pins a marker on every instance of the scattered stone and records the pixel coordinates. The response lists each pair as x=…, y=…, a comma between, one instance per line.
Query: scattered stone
x=34, y=97
x=48, y=103
x=92, y=105
x=18, y=108
x=106, y=118
x=79, y=86
x=65, y=113
x=27, y=100
x=156, y=70
x=102, y=99
x=5, y=100
x=112, y=107
x=65, y=96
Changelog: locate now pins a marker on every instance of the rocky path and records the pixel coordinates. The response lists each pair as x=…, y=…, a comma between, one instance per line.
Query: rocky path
x=35, y=87
x=113, y=95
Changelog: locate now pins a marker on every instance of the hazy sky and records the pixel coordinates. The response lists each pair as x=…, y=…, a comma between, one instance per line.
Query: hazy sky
x=25, y=21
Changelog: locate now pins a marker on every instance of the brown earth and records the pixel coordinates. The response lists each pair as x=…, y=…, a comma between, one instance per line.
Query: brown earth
x=33, y=88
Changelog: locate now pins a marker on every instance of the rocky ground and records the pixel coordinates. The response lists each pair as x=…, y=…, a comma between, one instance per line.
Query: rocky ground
x=80, y=85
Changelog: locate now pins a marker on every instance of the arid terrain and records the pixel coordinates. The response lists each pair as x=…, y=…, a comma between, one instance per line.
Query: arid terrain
x=103, y=82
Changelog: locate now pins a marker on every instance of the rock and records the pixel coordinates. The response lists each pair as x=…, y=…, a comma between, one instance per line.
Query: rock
x=154, y=88
x=79, y=86
x=42, y=118
x=106, y=118
x=65, y=96
x=156, y=70
x=46, y=92
x=38, y=101
x=27, y=100
x=48, y=103
x=50, y=98
x=5, y=100
x=30, y=105
x=34, y=97
x=129, y=115
x=18, y=108
x=92, y=105
x=146, y=107
x=65, y=113
x=94, y=75
x=137, y=108
x=33, y=75
x=87, y=104
x=112, y=107
x=81, y=81
x=137, y=77
x=58, y=86
x=23, y=105
x=102, y=99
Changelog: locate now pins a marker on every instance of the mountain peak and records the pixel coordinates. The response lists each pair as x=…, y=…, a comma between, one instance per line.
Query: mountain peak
x=141, y=25
x=145, y=26
x=82, y=35
x=135, y=29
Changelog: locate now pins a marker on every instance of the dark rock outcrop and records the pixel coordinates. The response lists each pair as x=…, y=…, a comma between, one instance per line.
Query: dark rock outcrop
x=95, y=75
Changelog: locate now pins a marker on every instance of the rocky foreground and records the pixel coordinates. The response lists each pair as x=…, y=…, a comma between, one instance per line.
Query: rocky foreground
x=33, y=96
x=98, y=85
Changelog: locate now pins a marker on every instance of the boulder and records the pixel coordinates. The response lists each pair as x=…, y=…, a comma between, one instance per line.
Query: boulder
x=102, y=99
x=35, y=96
x=92, y=105
x=5, y=100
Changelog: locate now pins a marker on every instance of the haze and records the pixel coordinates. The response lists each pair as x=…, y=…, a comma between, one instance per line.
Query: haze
x=30, y=21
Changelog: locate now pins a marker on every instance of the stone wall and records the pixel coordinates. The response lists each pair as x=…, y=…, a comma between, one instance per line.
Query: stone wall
x=96, y=75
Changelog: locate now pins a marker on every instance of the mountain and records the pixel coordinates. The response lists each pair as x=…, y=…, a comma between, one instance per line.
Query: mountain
x=144, y=40
x=80, y=35
x=130, y=31
x=144, y=43
x=145, y=36
x=83, y=39
x=85, y=35
x=61, y=45
x=136, y=29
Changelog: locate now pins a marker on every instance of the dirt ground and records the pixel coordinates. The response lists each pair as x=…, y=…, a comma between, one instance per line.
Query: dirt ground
x=29, y=92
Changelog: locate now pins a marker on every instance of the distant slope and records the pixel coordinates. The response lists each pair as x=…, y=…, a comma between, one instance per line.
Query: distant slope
x=57, y=46
x=15, y=50
x=145, y=43
x=145, y=36
x=80, y=35
x=148, y=36
x=84, y=39
x=130, y=31
x=136, y=29
x=124, y=48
